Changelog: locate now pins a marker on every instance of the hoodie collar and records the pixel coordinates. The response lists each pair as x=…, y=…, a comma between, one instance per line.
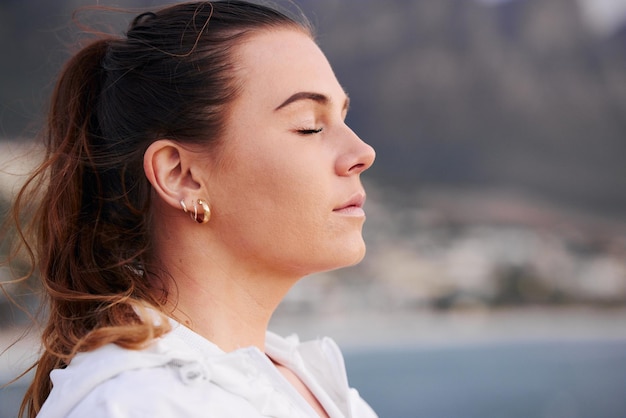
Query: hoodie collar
x=246, y=372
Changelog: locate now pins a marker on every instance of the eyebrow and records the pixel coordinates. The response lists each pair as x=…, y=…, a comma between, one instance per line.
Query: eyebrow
x=307, y=95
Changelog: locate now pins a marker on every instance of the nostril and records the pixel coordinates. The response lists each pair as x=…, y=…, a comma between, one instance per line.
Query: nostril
x=357, y=167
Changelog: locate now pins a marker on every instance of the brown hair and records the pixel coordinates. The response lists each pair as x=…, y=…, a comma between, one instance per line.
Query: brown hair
x=171, y=76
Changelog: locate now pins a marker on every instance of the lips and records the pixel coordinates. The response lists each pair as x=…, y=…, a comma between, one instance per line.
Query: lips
x=353, y=206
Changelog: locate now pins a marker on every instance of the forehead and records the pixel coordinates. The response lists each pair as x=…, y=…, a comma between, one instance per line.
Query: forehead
x=275, y=63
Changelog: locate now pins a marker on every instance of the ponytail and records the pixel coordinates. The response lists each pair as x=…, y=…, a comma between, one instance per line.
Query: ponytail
x=91, y=299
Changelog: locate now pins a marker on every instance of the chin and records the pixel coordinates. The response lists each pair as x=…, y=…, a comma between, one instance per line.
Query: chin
x=333, y=255
x=347, y=257
x=358, y=258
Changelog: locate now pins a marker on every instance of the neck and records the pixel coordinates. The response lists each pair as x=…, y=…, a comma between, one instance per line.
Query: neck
x=227, y=310
x=221, y=298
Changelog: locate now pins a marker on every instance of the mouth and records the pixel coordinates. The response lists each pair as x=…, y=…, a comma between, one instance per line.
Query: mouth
x=352, y=207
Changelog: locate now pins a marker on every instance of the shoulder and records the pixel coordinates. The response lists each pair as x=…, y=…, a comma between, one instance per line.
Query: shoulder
x=157, y=392
x=169, y=378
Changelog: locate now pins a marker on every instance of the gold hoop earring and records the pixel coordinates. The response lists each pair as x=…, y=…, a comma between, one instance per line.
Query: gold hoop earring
x=194, y=215
x=206, y=212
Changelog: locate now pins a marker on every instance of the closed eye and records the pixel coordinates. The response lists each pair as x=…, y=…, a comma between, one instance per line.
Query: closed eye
x=310, y=131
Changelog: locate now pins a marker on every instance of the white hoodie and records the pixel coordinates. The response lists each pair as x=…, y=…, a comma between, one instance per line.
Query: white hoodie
x=184, y=375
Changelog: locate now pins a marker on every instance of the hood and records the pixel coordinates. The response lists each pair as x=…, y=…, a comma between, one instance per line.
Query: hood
x=88, y=370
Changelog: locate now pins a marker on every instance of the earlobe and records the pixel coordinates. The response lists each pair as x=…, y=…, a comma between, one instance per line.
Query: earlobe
x=167, y=169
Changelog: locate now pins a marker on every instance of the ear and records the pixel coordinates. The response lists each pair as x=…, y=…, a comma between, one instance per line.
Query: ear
x=167, y=167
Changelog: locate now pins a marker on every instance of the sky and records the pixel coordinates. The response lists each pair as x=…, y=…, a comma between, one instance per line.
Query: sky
x=603, y=17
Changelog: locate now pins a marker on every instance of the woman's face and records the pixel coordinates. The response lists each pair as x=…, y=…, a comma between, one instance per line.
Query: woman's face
x=286, y=194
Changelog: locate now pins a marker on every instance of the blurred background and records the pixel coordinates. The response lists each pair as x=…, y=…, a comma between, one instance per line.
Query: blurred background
x=495, y=279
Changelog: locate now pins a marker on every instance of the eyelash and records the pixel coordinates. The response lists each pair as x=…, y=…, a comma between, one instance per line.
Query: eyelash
x=310, y=131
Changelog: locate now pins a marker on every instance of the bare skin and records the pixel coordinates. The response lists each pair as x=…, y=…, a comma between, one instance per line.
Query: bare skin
x=302, y=389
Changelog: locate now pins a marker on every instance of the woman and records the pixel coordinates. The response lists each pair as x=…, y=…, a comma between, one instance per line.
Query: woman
x=196, y=169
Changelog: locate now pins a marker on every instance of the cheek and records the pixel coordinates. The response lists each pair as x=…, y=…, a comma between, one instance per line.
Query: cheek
x=272, y=194
x=282, y=177
x=289, y=204
x=273, y=228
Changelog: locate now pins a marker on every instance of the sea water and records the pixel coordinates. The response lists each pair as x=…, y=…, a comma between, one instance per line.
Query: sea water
x=538, y=379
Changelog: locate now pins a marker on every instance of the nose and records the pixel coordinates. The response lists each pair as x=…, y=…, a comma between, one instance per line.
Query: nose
x=357, y=156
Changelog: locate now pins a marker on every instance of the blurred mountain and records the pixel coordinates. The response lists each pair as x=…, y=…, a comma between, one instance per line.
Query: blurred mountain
x=518, y=95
